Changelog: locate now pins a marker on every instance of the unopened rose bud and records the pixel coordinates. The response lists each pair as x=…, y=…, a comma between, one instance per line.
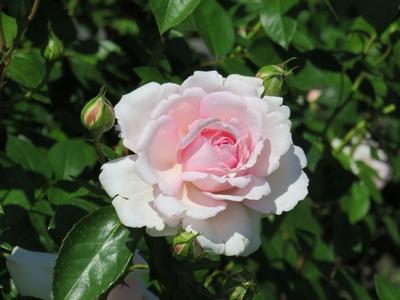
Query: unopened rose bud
x=274, y=78
x=313, y=95
x=98, y=114
x=186, y=246
x=54, y=49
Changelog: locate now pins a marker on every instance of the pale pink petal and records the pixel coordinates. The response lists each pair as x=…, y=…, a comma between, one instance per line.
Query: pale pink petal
x=255, y=190
x=155, y=165
x=211, y=183
x=191, y=203
x=244, y=85
x=209, y=81
x=134, y=109
x=223, y=105
x=233, y=232
x=182, y=108
x=277, y=141
x=288, y=184
x=131, y=195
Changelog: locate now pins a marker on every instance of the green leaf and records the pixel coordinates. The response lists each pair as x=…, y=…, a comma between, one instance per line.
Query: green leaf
x=26, y=68
x=356, y=289
x=357, y=205
x=385, y=289
x=215, y=27
x=278, y=27
x=70, y=157
x=392, y=229
x=92, y=256
x=28, y=156
x=9, y=29
x=169, y=13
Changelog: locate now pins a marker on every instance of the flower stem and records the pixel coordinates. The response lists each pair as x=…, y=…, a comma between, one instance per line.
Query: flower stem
x=97, y=146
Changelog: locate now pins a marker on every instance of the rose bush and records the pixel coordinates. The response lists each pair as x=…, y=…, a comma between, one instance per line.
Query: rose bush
x=212, y=156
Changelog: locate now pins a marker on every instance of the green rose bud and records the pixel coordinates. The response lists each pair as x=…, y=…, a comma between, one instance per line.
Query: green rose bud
x=54, y=49
x=186, y=246
x=274, y=78
x=98, y=114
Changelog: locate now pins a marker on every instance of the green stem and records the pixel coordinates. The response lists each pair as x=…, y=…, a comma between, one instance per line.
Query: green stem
x=97, y=147
x=161, y=264
x=341, y=106
x=6, y=57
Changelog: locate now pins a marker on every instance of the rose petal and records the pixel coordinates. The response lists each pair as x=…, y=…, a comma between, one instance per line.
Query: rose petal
x=182, y=108
x=212, y=183
x=155, y=166
x=223, y=105
x=255, y=190
x=192, y=203
x=31, y=272
x=210, y=81
x=288, y=184
x=244, y=85
x=234, y=231
x=134, y=109
x=131, y=194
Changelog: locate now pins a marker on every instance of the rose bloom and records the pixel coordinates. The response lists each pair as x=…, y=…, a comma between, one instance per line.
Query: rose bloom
x=32, y=271
x=211, y=157
x=363, y=152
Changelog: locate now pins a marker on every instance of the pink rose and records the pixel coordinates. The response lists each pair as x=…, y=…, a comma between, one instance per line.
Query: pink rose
x=212, y=157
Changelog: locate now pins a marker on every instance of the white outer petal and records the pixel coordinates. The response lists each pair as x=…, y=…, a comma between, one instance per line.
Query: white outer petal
x=134, y=109
x=232, y=232
x=210, y=81
x=31, y=272
x=288, y=184
x=132, y=196
x=244, y=85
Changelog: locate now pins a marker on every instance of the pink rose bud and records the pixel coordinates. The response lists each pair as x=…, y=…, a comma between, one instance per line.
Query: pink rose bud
x=98, y=114
x=313, y=95
x=185, y=245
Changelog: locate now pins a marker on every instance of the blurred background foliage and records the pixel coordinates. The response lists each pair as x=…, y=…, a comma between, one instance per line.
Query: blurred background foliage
x=341, y=242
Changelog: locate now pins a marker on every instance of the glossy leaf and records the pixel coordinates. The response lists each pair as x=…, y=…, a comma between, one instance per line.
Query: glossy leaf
x=169, y=13
x=92, y=257
x=276, y=25
x=27, y=68
x=215, y=27
x=70, y=157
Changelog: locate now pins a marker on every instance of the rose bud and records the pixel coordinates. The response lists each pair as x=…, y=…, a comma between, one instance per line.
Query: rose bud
x=185, y=245
x=273, y=78
x=98, y=114
x=54, y=49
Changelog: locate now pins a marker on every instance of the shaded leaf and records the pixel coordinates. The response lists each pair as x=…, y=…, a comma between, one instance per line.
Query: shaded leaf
x=215, y=27
x=169, y=13
x=92, y=257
